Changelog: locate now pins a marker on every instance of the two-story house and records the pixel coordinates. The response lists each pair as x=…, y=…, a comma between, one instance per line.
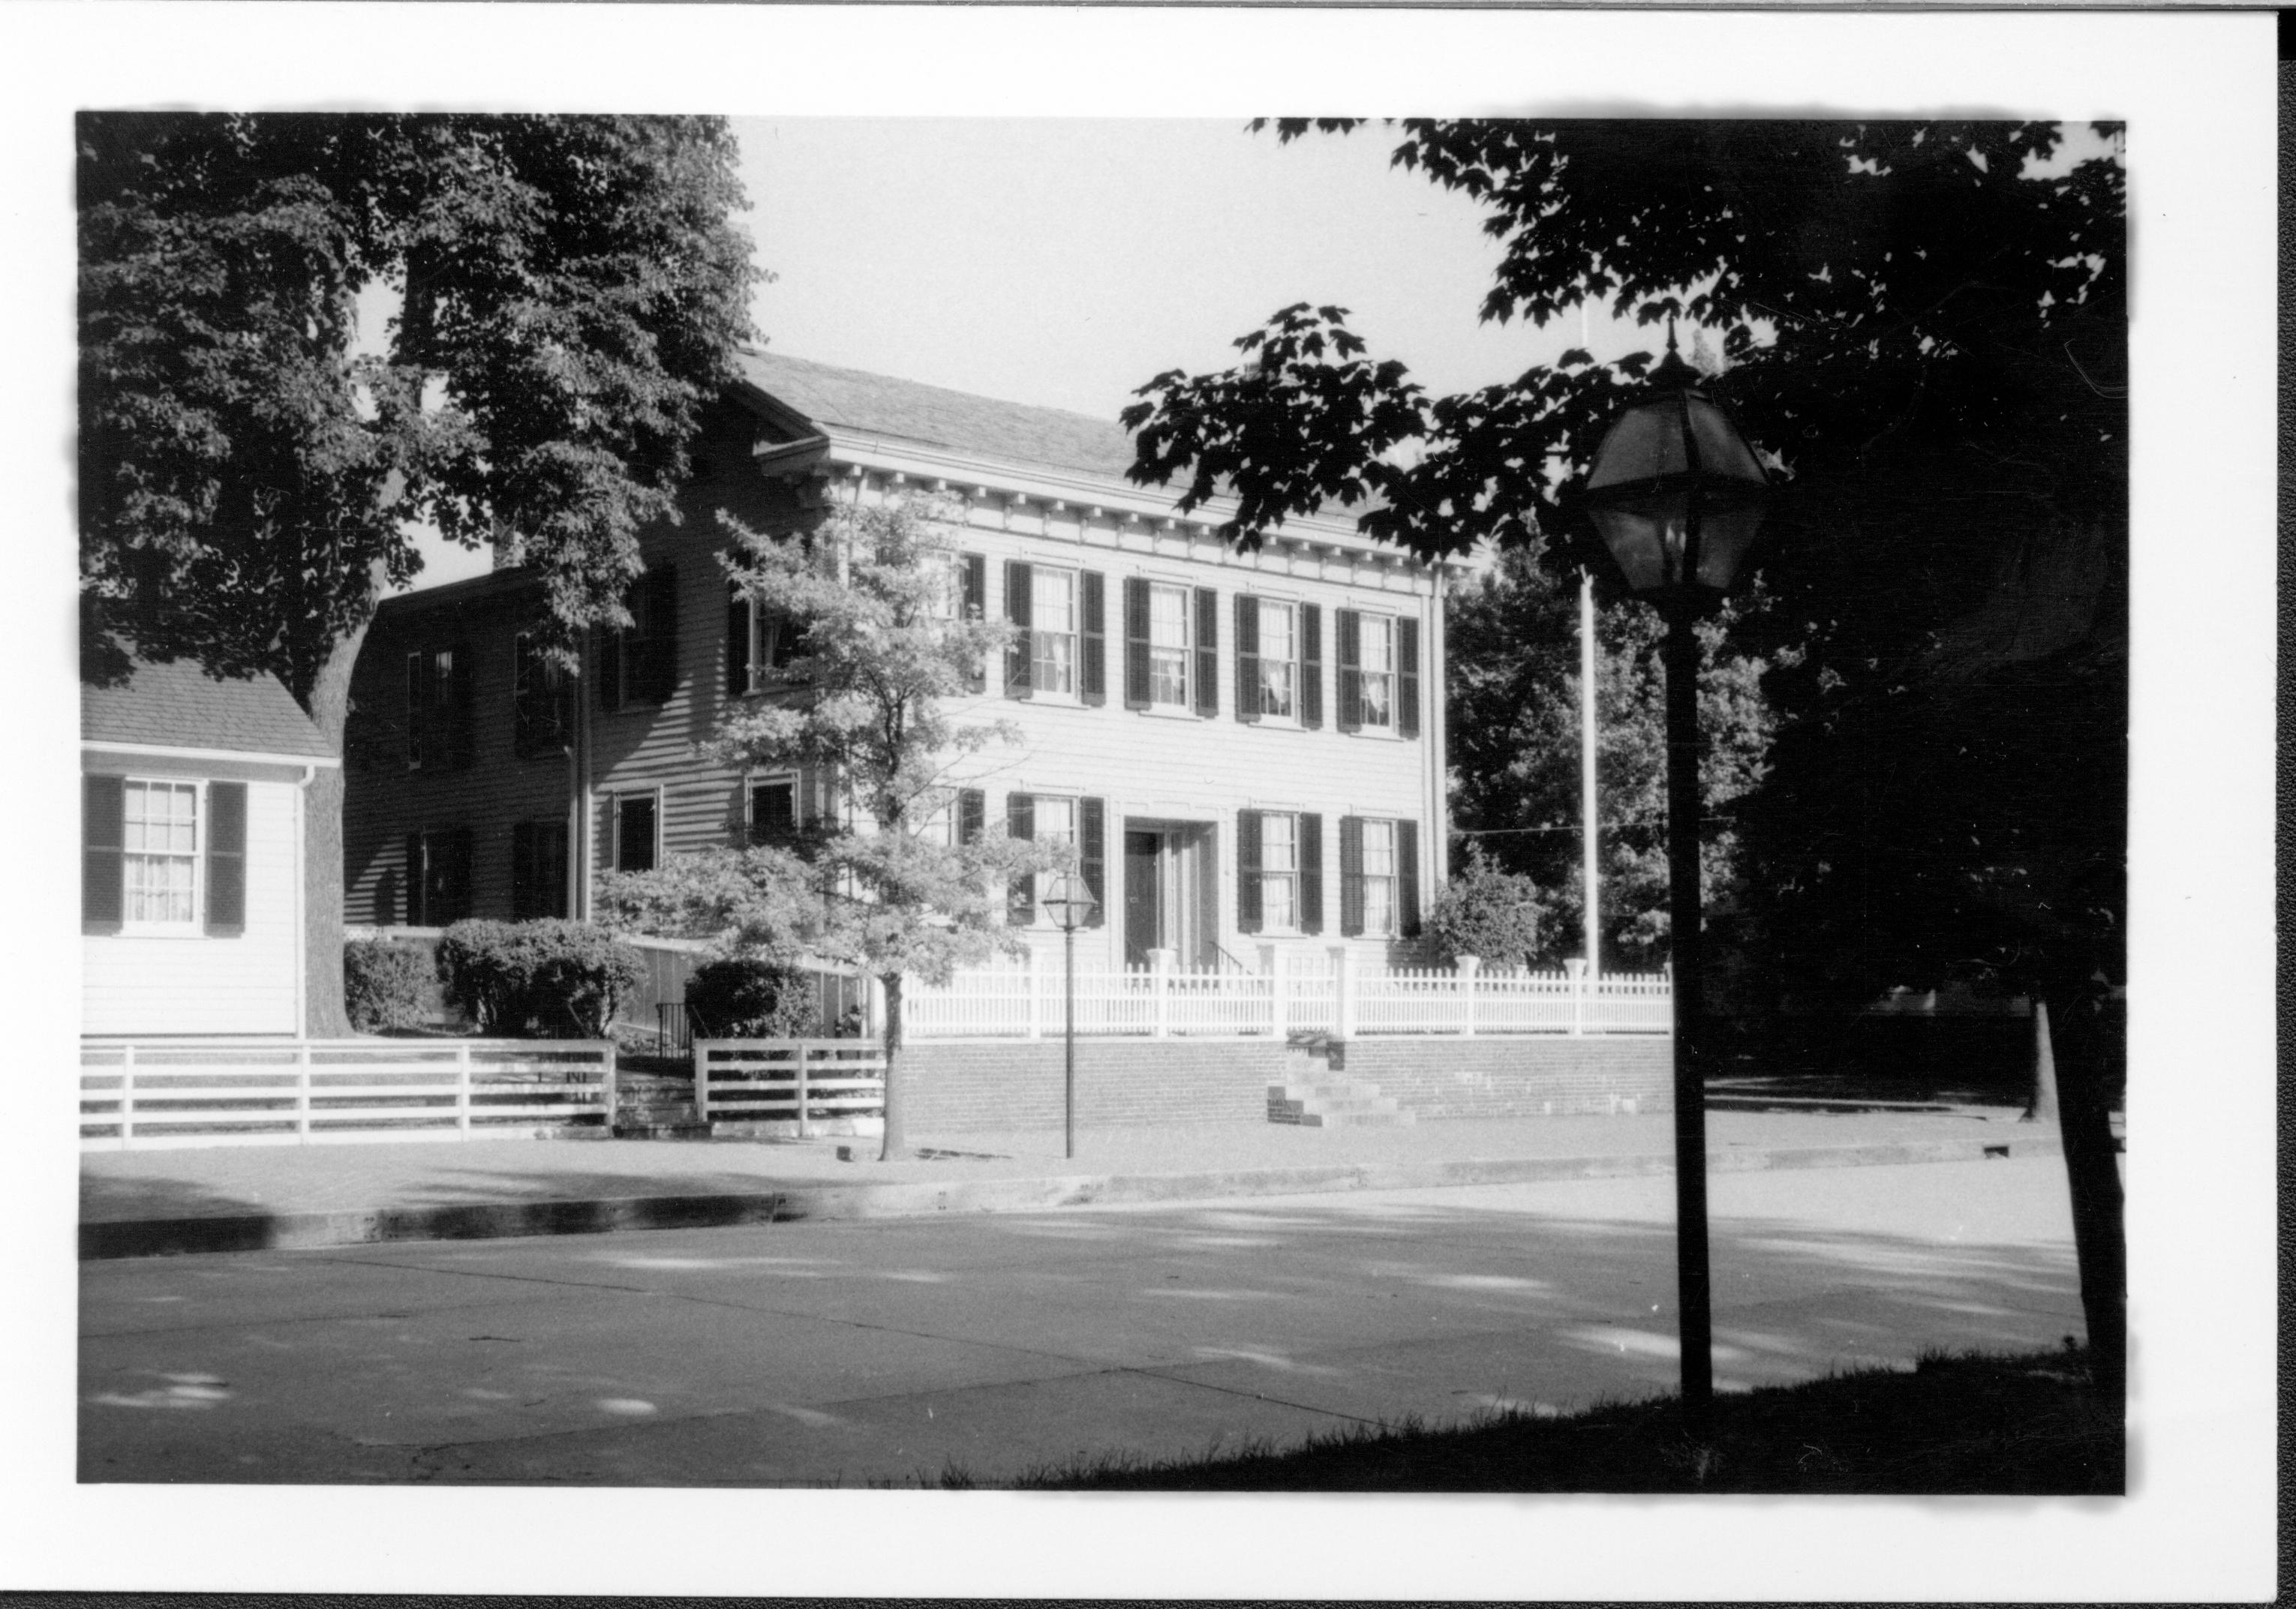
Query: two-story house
x=1244, y=748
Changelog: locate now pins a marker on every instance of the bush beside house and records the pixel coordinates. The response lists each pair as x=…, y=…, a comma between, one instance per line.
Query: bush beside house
x=738, y=998
x=550, y=978
x=387, y=987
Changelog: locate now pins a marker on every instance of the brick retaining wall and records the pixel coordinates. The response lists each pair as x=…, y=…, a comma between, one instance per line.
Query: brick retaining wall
x=1016, y=1084
x=1519, y=1077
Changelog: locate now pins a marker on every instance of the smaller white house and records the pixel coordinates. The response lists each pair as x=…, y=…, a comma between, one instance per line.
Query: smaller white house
x=192, y=835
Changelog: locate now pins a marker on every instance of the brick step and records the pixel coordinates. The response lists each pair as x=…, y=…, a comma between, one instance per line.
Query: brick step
x=660, y=1130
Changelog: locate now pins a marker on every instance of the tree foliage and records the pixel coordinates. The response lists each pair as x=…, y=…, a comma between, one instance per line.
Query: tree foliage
x=1485, y=912
x=1514, y=694
x=570, y=290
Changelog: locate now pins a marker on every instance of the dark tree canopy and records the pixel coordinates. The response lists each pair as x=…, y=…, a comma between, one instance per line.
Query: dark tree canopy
x=1923, y=329
x=570, y=290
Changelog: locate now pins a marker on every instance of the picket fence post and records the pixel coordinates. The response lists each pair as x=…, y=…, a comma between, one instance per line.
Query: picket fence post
x=1343, y=992
x=1469, y=966
x=804, y=1125
x=1278, y=1027
x=1036, y=999
x=303, y=1092
x=127, y=1094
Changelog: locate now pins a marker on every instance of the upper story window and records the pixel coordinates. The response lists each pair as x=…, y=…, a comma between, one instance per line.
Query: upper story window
x=1052, y=630
x=760, y=642
x=1170, y=649
x=538, y=695
x=1279, y=668
x=438, y=708
x=638, y=664
x=161, y=860
x=1377, y=662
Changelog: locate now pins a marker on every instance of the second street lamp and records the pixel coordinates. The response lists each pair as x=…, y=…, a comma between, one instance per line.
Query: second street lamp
x=1071, y=906
x=1678, y=498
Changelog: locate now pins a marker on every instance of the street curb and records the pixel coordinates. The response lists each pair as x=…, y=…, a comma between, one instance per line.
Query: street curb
x=489, y=1220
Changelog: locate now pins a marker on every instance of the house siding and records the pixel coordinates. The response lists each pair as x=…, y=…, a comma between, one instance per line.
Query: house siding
x=134, y=983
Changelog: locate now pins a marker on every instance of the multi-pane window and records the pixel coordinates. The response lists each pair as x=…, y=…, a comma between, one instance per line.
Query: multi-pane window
x=161, y=845
x=1279, y=873
x=1377, y=659
x=1056, y=826
x=1052, y=630
x=1279, y=655
x=635, y=817
x=1379, y=877
x=437, y=708
x=1167, y=645
x=772, y=810
x=538, y=697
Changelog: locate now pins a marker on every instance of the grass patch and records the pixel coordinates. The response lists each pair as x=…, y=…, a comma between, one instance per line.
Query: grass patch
x=1975, y=1424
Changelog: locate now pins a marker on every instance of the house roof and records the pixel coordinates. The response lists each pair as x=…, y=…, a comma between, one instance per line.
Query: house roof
x=179, y=706
x=931, y=415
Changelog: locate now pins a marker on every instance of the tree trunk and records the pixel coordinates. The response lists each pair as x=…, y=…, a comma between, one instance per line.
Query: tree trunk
x=2092, y=1176
x=323, y=1017
x=897, y=1138
x=2042, y=1107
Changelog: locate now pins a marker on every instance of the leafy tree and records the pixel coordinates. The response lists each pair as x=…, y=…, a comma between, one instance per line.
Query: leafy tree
x=570, y=292
x=1514, y=755
x=894, y=891
x=1925, y=329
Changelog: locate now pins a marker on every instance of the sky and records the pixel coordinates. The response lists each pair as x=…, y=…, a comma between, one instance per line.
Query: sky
x=1066, y=262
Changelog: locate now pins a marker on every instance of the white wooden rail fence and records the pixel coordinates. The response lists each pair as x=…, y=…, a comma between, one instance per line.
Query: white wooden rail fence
x=1027, y=1002
x=139, y=1094
x=774, y=1080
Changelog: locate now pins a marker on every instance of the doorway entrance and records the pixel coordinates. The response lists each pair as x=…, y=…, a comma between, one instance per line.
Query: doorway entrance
x=1169, y=904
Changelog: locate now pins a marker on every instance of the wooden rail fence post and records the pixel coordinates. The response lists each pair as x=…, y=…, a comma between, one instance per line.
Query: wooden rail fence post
x=126, y=1095
x=804, y=1121
x=303, y=1092
x=463, y=1090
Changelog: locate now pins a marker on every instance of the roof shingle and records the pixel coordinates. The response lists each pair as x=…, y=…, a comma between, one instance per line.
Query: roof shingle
x=179, y=706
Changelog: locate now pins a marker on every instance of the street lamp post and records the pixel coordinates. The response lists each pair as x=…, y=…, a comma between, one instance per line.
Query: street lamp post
x=1677, y=497
x=1072, y=906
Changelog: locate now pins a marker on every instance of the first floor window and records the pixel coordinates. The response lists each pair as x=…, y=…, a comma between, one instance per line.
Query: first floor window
x=537, y=869
x=636, y=816
x=1076, y=825
x=1279, y=873
x=162, y=857
x=1279, y=855
x=772, y=810
x=1052, y=630
x=1379, y=878
x=161, y=845
x=437, y=877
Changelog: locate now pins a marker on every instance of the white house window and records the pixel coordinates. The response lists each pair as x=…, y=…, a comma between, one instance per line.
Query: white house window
x=1167, y=645
x=636, y=821
x=773, y=810
x=1379, y=876
x=160, y=859
x=1056, y=826
x=1376, y=655
x=1052, y=630
x=1279, y=655
x=1279, y=873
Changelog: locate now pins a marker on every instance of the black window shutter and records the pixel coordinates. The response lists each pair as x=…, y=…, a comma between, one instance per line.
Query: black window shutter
x=1017, y=598
x=103, y=837
x=609, y=668
x=1021, y=823
x=658, y=674
x=972, y=815
x=1311, y=873
x=454, y=870
x=976, y=607
x=1247, y=660
x=1406, y=677
x=1092, y=843
x=227, y=860
x=1207, y=652
x=1247, y=915
x=521, y=870
x=417, y=880
x=550, y=869
x=1092, y=656
x=1311, y=666
x=1136, y=643
x=1350, y=647
x=1407, y=878
x=1351, y=886
x=418, y=695
x=737, y=642
x=462, y=704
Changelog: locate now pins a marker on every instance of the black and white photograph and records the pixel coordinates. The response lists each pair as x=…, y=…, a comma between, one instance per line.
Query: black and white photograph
x=793, y=803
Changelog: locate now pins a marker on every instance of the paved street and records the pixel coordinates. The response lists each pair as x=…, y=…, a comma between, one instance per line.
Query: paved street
x=891, y=1351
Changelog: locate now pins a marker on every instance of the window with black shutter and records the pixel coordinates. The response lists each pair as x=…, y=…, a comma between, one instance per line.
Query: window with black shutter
x=1137, y=673
x=227, y=860
x=1311, y=873
x=638, y=664
x=1092, y=855
x=772, y=810
x=1247, y=871
x=447, y=898
x=1021, y=823
x=537, y=869
x=975, y=570
x=1351, y=876
x=1311, y=666
x=1207, y=652
x=1406, y=676
x=537, y=699
x=972, y=815
x=1406, y=876
x=1018, y=595
x=1092, y=656
x=102, y=887
x=438, y=708
x=1349, y=630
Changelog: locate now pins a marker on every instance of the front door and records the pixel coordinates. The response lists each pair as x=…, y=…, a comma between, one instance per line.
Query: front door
x=1143, y=917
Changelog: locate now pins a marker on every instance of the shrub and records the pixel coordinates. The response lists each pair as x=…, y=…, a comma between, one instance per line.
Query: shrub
x=386, y=985
x=1486, y=912
x=545, y=977
x=740, y=998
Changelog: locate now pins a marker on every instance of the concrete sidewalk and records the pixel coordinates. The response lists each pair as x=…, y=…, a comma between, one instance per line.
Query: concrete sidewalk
x=226, y=1198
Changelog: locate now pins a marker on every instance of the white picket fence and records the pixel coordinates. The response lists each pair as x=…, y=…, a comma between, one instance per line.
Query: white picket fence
x=1028, y=1001
x=800, y=1080
x=146, y=1094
